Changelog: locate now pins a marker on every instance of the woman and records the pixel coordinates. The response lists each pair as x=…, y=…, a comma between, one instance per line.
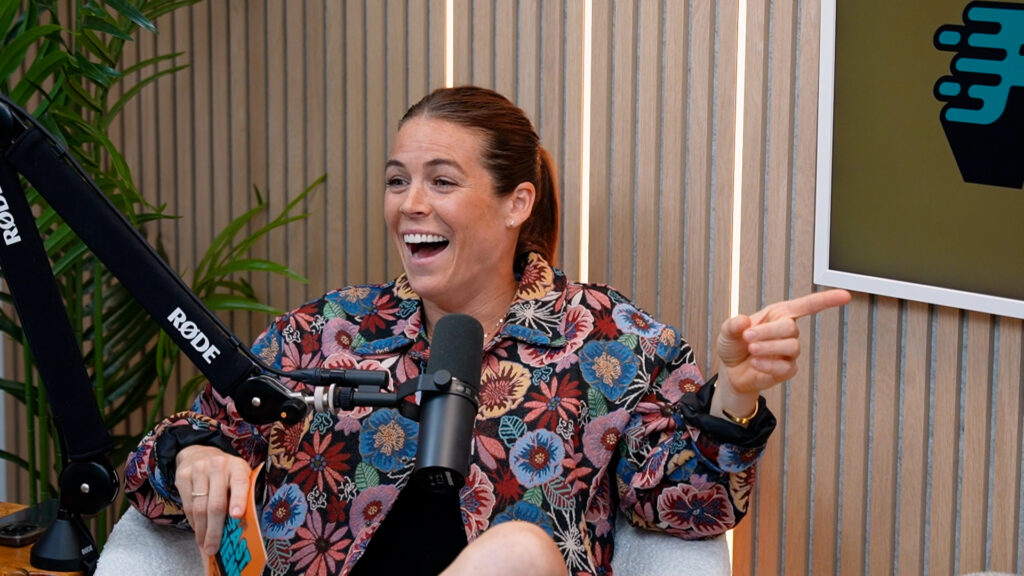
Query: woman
x=588, y=406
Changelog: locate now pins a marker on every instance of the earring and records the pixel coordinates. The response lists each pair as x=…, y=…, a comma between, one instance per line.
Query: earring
x=511, y=223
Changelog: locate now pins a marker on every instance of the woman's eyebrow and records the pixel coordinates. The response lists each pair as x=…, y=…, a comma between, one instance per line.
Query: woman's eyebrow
x=392, y=163
x=444, y=162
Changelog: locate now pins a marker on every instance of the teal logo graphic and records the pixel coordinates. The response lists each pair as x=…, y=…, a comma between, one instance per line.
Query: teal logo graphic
x=983, y=117
x=234, y=551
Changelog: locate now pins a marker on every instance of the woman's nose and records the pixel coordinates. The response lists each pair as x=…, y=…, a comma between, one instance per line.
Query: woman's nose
x=415, y=202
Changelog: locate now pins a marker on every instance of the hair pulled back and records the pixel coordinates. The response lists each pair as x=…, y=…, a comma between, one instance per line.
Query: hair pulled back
x=511, y=152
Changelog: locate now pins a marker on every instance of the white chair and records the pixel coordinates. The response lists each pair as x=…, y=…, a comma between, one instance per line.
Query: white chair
x=137, y=546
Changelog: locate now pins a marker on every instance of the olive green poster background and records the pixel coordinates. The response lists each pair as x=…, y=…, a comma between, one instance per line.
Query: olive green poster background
x=899, y=207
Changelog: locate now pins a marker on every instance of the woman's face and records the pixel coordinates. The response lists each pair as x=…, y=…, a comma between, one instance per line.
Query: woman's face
x=445, y=218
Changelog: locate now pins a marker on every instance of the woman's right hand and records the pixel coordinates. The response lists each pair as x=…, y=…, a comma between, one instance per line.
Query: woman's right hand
x=211, y=483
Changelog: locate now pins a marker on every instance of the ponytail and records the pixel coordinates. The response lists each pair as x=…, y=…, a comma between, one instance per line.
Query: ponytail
x=540, y=231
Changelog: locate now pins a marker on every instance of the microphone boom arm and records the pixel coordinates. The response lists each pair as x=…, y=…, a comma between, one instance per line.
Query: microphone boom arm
x=88, y=481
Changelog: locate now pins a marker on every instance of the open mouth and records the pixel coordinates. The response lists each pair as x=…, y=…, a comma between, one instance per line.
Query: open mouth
x=425, y=245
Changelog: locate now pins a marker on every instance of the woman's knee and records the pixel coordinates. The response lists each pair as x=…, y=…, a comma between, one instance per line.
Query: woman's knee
x=513, y=547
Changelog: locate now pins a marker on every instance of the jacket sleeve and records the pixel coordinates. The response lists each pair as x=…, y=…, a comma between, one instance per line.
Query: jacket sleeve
x=681, y=470
x=212, y=421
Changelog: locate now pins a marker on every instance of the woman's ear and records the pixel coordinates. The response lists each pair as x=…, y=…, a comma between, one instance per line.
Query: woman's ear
x=522, y=204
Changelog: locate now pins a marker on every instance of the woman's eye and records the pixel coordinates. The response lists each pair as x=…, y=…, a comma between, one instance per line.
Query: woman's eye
x=443, y=182
x=395, y=182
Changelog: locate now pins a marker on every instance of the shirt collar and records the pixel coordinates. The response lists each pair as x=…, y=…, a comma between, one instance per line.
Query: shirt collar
x=535, y=316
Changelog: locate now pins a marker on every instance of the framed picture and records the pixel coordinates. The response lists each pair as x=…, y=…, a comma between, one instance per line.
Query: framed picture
x=920, y=177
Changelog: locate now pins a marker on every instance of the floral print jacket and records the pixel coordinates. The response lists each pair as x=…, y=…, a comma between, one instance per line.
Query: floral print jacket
x=588, y=406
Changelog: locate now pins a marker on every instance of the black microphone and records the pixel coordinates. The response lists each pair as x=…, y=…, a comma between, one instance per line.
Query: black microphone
x=447, y=416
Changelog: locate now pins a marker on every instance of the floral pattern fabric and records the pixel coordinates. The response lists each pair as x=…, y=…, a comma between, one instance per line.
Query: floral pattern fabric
x=579, y=419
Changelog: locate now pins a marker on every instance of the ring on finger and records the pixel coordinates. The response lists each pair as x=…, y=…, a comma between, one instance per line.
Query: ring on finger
x=198, y=494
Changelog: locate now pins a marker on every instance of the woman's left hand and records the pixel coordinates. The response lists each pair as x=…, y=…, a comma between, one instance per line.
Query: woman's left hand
x=760, y=350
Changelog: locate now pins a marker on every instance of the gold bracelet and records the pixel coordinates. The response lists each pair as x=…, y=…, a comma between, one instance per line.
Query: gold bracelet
x=740, y=420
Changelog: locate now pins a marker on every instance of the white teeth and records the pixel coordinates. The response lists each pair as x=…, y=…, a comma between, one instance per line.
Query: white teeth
x=423, y=238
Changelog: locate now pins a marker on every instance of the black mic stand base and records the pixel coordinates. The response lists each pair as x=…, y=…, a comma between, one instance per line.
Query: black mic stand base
x=66, y=546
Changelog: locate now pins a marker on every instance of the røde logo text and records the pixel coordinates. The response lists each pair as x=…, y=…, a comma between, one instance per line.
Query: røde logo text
x=7, y=223
x=194, y=335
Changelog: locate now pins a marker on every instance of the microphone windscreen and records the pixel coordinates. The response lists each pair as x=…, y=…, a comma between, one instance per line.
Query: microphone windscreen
x=457, y=346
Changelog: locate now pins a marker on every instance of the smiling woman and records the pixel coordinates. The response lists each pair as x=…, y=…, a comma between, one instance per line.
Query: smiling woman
x=590, y=409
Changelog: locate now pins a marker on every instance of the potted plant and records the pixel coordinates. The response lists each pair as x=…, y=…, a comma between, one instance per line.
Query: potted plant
x=64, y=66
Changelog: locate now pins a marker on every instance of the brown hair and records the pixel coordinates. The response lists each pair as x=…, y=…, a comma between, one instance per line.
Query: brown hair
x=512, y=154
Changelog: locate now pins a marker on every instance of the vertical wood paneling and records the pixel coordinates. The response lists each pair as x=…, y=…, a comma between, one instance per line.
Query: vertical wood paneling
x=898, y=448
x=884, y=411
x=396, y=101
x=255, y=97
x=853, y=435
x=940, y=523
x=201, y=146
x=375, y=142
x=315, y=165
x=506, y=51
x=697, y=214
x=240, y=177
x=218, y=133
x=295, y=147
x=482, y=48
x=722, y=143
x=335, y=190
x=646, y=188
x=600, y=139
x=973, y=473
x=673, y=95
x=276, y=88
x=356, y=178
x=618, y=174
x=828, y=390
x=526, y=91
x=913, y=438
x=1005, y=505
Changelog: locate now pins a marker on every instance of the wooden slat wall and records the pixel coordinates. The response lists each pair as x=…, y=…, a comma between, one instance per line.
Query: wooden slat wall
x=898, y=449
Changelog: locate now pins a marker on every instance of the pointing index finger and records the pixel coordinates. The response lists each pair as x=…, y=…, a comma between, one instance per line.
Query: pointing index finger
x=813, y=303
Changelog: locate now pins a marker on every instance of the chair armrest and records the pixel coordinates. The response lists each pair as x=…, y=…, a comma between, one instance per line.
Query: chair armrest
x=645, y=553
x=138, y=546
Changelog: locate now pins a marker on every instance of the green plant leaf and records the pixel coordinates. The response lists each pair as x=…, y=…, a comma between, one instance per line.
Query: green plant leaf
x=257, y=265
x=188, y=392
x=154, y=10
x=239, y=286
x=224, y=238
x=129, y=94
x=14, y=388
x=96, y=46
x=131, y=13
x=37, y=75
x=107, y=26
x=77, y=94
x=8, y=12
x=14, y=52
x=99, y=74
x=226, y=302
